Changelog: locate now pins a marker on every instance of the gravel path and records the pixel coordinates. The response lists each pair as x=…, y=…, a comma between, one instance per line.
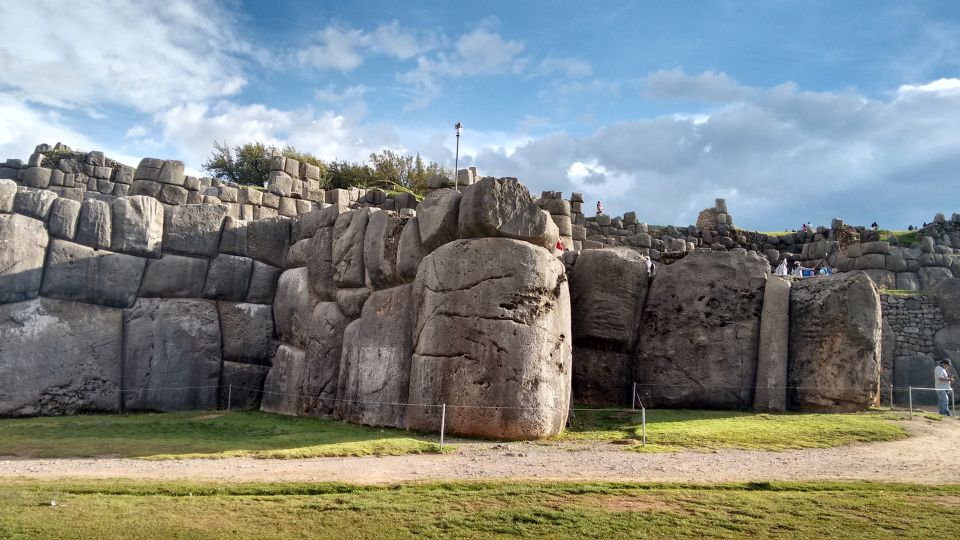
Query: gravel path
x=926, y=457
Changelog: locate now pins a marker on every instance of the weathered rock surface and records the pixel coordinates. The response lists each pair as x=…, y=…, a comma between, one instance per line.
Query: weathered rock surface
x=381, y=244
x=247, y=332
x=59, y=358
x=320, y=264
x=915, y=371
x=35, y=203
x=193, y=229
x=241, y=385
x=504, y=208
x=773, y=354
x=947, y=295
x=700, y=331
x=79, y=273
x=602, y=377
x=351, y=300
x=608, y=288
x=492, y=333
x=293, y=307
x=171, y=355
x=174, y=276
x=137, y=226
x=438, y=218
x=64, y=215
x=268, y=240
x=834, y=344
x=348, y=234
x=324, y=349
x=263, y=283
x=93, y=227
x=410, y=250
x=228, y=278
x=282, y=388
x=375, y=364
x=23, y=245
x=946, y=343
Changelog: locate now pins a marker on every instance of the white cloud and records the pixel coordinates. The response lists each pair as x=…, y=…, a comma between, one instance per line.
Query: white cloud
x=940, y=86
x=345, y=49
x=570, y=67
x=330, y=94
x=709, y=87
x=119, y=53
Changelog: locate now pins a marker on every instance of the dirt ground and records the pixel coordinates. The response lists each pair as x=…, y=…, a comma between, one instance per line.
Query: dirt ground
x=928, y=456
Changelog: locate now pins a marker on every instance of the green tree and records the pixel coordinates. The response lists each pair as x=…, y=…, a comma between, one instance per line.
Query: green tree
x=342, y=174
x=395, y=170
x=247, y=164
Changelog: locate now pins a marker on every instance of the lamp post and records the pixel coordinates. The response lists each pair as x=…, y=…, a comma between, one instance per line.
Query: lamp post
x=456, y=162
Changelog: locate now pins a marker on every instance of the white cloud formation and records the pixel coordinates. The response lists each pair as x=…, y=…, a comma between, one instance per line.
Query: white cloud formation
x=568, y=66
x=345, y=49
x=709, y=87
x=331, y=95
x=119, y=53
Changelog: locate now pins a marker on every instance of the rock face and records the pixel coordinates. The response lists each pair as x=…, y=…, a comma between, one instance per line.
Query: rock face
x=282, y=388
x=834, y=344
x=504, y=208
x=437, y=217
x=193, y=229
x=59, y=357
x=492, y=330
x=324, y=349
x=410, y=250
x=348, y=233
x=293, y=307
x=381, y=245
x=137, y=226
x=947, y=295
x=608, y=288
x=75, y=272
x=173, y=276
x=700, y=331
x=247, y=332
x=23, y=245
x=171, y=351
x=602, y=377
x=375, y=363
x=246, y=381
x=915, y=371
x=772, y=359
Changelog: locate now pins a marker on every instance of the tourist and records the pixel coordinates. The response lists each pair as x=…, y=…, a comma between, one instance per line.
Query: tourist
x=943, y=380
x=599, y=208
x=910, y=228
x=560, y=246
x=781, y=268
x=874, y=226
x=797, y=271
x=651, y=268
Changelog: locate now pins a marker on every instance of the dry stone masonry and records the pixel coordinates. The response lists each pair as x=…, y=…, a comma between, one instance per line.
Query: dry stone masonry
x=144, y=288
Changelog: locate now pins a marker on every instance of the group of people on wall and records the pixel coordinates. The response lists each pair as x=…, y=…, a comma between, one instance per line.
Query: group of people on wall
x=793, y=268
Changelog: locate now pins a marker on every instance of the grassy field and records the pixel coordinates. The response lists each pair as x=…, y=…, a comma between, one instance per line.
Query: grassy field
x=110, y=509
x=200, y=435
x=671, y=429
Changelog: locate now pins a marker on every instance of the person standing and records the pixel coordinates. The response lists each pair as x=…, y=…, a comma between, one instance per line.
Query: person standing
x=599, y=208
x=943, y=380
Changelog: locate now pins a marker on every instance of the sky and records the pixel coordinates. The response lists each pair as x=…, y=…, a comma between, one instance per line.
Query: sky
x=792, y=111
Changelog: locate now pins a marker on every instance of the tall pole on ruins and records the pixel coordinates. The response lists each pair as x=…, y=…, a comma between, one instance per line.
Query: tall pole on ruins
x=456, y=162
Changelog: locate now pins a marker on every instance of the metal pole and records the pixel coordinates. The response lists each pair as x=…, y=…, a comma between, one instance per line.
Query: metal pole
x=456, y=162
x=443, y=422
x=891, y=397
x=910, y=399
x=643, y=419
x=229, y=396
x=633, y=396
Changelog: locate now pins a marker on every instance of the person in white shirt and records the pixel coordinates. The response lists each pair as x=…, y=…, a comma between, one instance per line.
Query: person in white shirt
x=943, y=380
x=782, y=268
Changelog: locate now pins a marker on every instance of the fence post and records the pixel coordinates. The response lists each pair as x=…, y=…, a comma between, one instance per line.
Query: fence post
x=229, y=396
x=910, y=399
x=633, y=397
x=443, y=422
x=643, y=419
x=891, y=397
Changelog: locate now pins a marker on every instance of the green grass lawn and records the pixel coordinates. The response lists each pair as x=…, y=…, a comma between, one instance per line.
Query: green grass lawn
x=676, y=429
x=200, y=435
x=136, y=509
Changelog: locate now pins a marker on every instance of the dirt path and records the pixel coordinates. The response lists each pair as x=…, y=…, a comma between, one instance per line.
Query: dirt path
x=926, y=457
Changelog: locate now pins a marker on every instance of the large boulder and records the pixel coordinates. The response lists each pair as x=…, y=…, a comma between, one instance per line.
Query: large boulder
x=947, y=295
x=410, y=250
x=491, y=340
x=193, y=229
x=64, y=214
x=324, y=349
x=174, y=276
x=607, y=290
x=835, y=329
x=347, y=255
x=137, y=226
x=59, y=358
x=293, y=307
x=915, y=371
x=228, y=278
x=93, y=226
x=504, y=208
x=602, y=377
x=241, y=385
x=23, y=245
x=438, y=218
x=268, y=240
x=171, y=352
x=263, y=283
x=380, y=249
x=283, y=387
x=80, y=273
x=773, y=353
x=247, y=332
x=931, y=276
x=375, y=363
x=320, y=264
x=700, y=331
x=946, y=343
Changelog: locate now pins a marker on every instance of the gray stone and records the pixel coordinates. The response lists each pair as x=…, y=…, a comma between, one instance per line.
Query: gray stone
x=324, y=348
x=438, y=217
x=947, y=296
x=351, y=300
x=503, y=208
x=193, y=229
x=172, y=195
x=410, y=250
x=35, y=203
x=23, y=245
x=347, y=253
x=701, y=329
x=916, y=371
x=293, y=307
x=75, y=272
x=320, y=264
x=233, y=239
x=63, y=218
x=283, y=388
x=492, y=332
x=931, y=276
x=137, y=226
x=381, y=245
x=835, y=329
x=94, y=224
x=148, y=169
x=299, y=254
x=171, y=351
x=59, y=358
x=241, y=386
x=268, y=240
x=896, y=263
x=908, y=281
x=279, y=183
x=608, y=288
x=883, y=279
x=375, y=365
x=36, y=177
x=8, y=192
x=228, y=278
x=946, y=344
x=881, y=247
x=172, y=173
x=145, y=187
x=772, y=357
x=263, y=283
x=174, y=276
x=247, y=332
x=305, y=226
x=872, y=261
x=602, y=377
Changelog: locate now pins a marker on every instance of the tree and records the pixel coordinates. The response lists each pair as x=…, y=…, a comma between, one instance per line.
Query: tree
x=342, y=174
x=408, y=172
x=247, y=164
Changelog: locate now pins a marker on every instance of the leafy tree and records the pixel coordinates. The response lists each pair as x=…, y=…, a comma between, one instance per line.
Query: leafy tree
x=407, y=172
x=247, y=164
x=342, y=174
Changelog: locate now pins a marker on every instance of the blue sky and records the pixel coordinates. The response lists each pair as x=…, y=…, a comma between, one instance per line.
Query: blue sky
x=793, y=111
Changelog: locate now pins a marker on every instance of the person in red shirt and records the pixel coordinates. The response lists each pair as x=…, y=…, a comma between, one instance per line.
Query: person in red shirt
x=599, y=207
